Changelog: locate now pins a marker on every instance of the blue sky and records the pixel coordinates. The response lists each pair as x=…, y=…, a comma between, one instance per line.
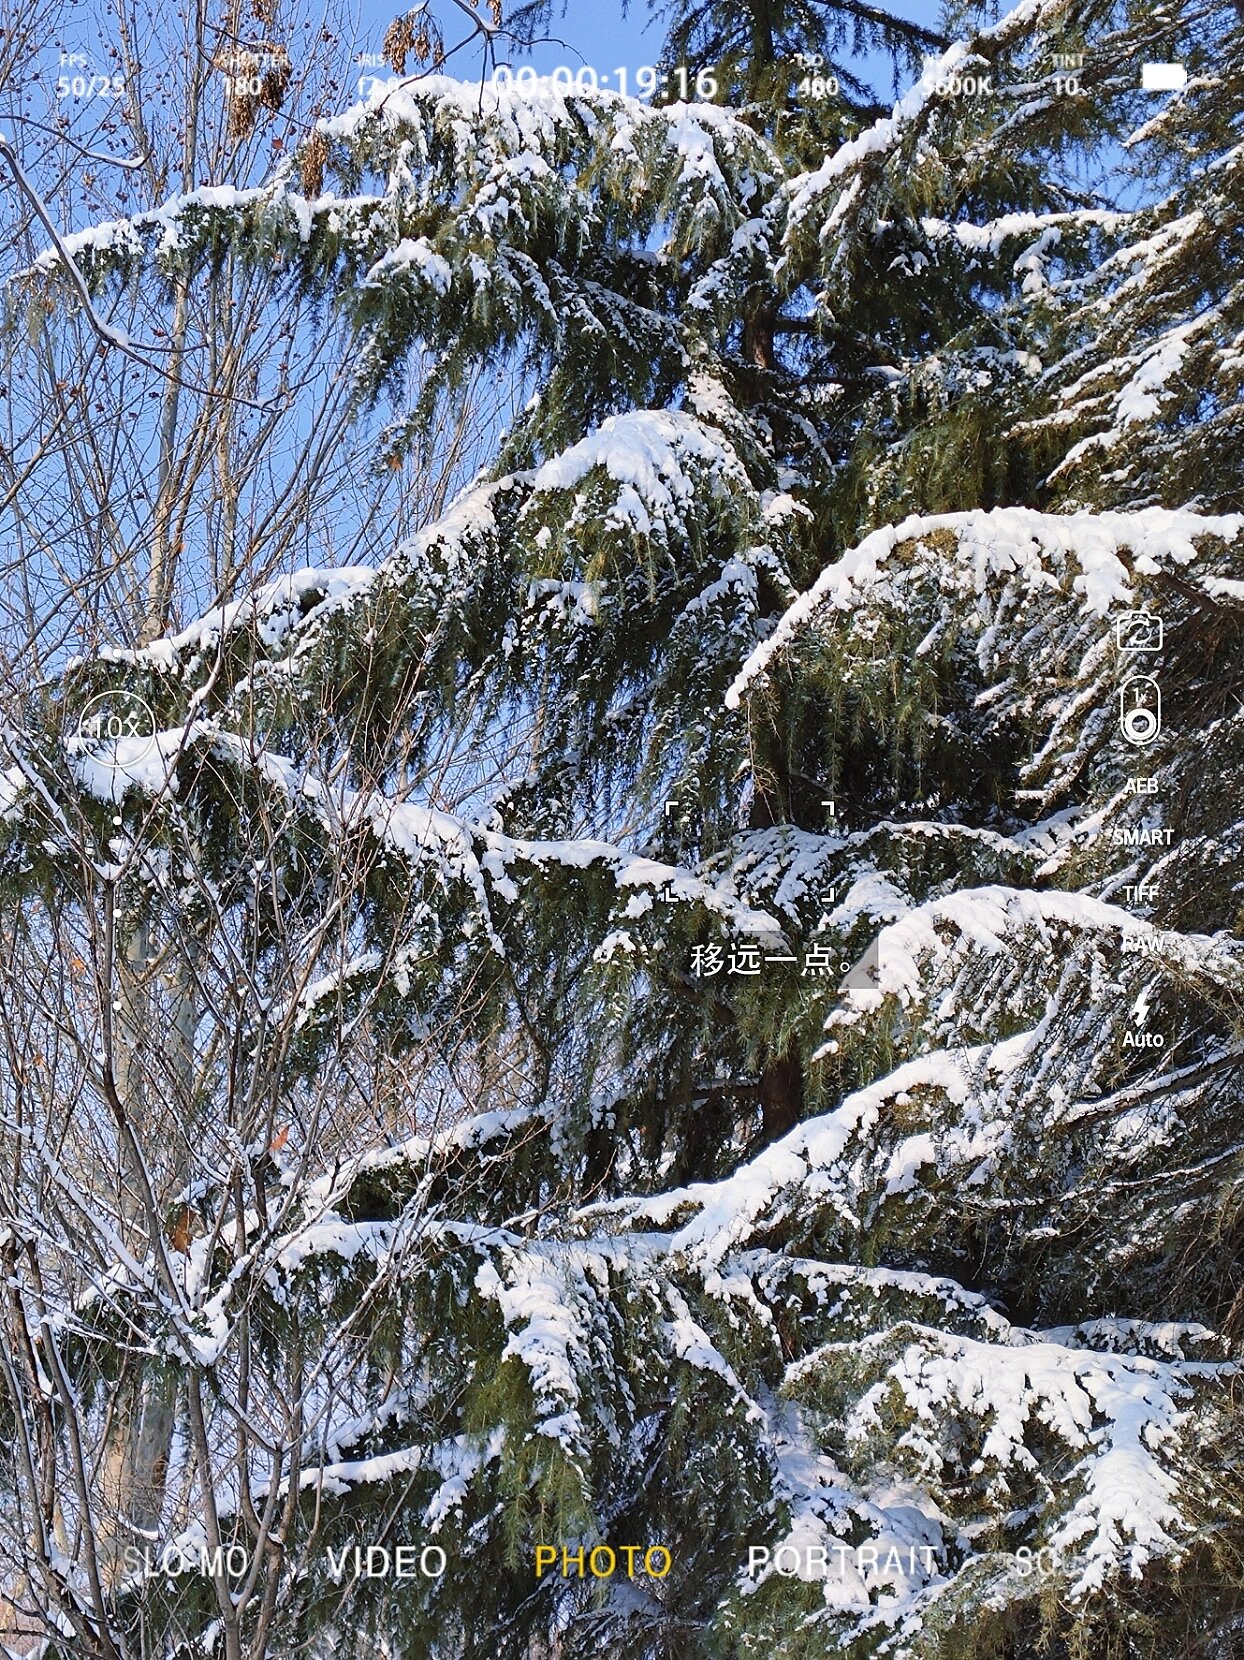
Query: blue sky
x=594, y=32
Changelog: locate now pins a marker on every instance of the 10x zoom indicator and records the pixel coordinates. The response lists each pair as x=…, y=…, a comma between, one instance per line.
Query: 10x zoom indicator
x=116, y=718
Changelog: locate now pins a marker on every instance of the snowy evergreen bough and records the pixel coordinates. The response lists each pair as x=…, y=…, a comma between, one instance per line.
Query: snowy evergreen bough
x=655, y=1013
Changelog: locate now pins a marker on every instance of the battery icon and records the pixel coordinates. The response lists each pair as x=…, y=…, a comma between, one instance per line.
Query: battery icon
x=1163, y=77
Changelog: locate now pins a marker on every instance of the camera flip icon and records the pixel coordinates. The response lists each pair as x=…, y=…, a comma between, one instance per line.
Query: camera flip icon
x=1138, y=631
x=1140, y=709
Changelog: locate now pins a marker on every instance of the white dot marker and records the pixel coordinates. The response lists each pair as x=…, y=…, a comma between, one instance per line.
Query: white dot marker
x=1163, y=77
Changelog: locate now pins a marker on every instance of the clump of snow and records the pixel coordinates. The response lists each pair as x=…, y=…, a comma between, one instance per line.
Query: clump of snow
x=108, y=769
x=13, y=784
x=1140, y=400
x=988, y=919
x=646, y=452
x=413, y=254
x=539, y=1298
x=808, y=1160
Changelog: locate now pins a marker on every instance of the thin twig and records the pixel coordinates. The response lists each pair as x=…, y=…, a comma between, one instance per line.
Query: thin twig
x=130, y=163
x=107, y=333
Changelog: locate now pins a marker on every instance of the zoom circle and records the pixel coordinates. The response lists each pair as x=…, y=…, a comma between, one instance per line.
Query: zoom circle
x=121, y=720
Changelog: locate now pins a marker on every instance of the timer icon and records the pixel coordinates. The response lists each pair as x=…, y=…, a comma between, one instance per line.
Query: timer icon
x=1140, y=709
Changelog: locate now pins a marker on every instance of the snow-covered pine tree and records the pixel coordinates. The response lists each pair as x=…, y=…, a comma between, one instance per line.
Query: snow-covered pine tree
x=534, y=1206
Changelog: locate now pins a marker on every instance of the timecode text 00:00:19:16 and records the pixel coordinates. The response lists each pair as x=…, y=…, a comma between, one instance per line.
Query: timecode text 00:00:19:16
x=645, y=82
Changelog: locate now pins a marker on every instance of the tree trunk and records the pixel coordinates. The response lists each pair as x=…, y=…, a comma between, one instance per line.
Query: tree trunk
x=781, y=1096
x=139, y=1436
x=758, y=337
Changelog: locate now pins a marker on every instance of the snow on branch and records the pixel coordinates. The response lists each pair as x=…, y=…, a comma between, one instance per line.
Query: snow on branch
x=527, y=124
x=456, y=161
x=708, y=1220
x=487, y=860
x=838, y=183
x=988, y=919
x=1119, y=1419
x=1076, y=553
